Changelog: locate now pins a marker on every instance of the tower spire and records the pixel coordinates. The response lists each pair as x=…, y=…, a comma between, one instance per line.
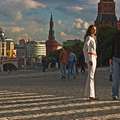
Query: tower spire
x=51, y=21
x=51, y=44
x=51, y=30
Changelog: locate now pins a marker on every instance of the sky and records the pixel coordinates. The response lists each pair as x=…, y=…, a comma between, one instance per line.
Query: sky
x=30, y=18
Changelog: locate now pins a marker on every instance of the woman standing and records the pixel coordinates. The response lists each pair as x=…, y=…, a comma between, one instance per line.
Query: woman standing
x=89, y=50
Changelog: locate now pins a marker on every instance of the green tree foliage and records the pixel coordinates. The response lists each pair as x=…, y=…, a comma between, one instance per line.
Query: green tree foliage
x=75, y=45
x=104, y=44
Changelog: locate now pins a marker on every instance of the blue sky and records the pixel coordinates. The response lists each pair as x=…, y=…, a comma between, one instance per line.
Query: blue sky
x=30, y=18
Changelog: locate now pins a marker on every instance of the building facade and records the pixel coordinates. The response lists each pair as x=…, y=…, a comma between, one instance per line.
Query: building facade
x=7, y=48
x=21, y=49
x=30, y=51
x=35, y=49
x=106, y=14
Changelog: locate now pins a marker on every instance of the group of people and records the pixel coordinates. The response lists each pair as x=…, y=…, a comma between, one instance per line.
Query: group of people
x=68, y=62
x=90, y=55
x=49, y=63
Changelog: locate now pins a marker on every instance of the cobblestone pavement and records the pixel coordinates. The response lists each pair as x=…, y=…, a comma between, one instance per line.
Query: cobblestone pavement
x=44, y=96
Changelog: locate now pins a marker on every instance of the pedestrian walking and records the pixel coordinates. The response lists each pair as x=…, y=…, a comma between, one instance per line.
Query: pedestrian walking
x=72, y=60
x=44, y=63
x=63, y=59
x=116, y=65
x=89, y=50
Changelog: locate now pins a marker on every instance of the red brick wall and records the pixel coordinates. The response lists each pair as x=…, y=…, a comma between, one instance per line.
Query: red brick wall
x=106, y=7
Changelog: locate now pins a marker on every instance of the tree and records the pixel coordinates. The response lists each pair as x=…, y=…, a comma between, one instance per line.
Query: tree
x=75, y=45
x=104, y=44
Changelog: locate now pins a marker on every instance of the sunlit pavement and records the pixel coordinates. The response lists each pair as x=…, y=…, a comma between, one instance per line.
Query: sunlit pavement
x=35, y=95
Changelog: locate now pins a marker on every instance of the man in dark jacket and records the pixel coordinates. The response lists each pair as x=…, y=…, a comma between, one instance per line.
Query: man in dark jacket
x=116, y=65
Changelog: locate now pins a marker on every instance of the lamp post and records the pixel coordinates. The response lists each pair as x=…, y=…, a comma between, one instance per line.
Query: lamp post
x=2, y=35
x=2, y=39
x=2, y=42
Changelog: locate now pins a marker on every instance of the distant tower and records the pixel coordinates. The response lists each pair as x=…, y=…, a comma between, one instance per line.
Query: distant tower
x=51, y=43
x=106, y=14
x=51, y=30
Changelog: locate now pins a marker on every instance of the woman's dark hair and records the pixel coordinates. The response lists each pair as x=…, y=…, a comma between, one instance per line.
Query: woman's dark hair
x=89, y=31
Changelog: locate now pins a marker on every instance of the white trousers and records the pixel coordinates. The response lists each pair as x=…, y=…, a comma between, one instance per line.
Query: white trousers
x=90, y=86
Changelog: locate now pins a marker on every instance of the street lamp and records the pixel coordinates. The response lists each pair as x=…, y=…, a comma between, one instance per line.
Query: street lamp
x=2, y=40
x=2, y=35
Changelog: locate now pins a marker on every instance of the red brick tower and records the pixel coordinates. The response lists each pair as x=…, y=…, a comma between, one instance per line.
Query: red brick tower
x=106, y=14
x=51, y=43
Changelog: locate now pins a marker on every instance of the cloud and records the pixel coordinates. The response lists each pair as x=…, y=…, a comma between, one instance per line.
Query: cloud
x=16, y=29
x=15, y=8
x=63, y=34
x=80, y=24
x=66, y=36
x=85, y=25
x=75, y=8
x=93, y=1
x=33, y=26
x=59, y=22
x=36, y=30
x=18, y=16
x=33, y=4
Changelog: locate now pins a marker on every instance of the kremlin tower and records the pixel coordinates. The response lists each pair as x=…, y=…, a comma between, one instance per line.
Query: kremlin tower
x=51, y=43
x=106, y=14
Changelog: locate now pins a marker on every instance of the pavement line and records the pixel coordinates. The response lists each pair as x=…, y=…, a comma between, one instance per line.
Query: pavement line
x=7, y=92
x=67, y=112
x=3, y=91
x=24, y=75
x=35, y=99
x=42, y=103
x=102, y=117
x=17, y=94
x=55, y=107
x=24, y=97
x=57, y=102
